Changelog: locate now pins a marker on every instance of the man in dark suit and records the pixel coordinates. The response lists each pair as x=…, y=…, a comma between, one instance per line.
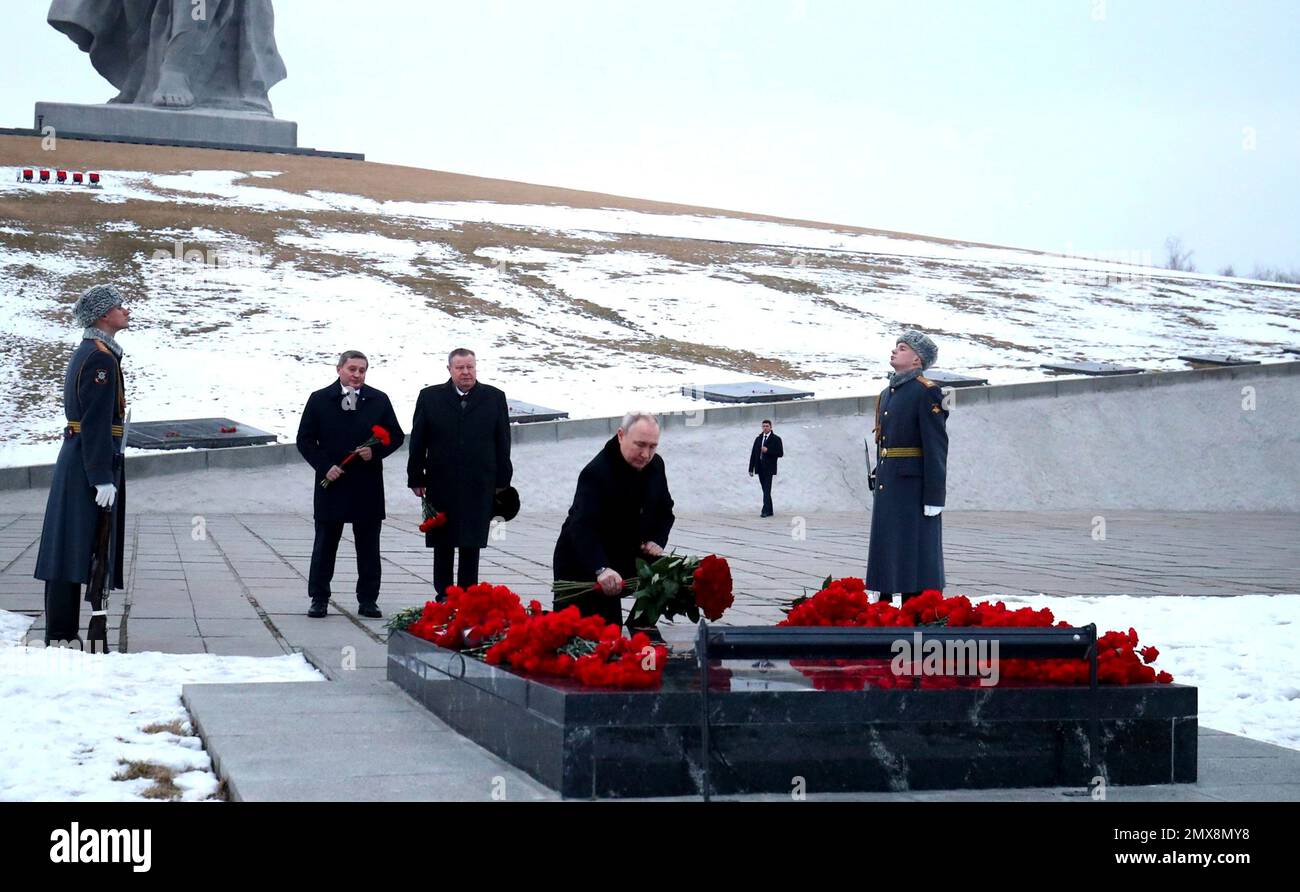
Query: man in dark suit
x=621, y=511
x=762, y=460
x=460, y=459
x=89, y=477
x=336, y=421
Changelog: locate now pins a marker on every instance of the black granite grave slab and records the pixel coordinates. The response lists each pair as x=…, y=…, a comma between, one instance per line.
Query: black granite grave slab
x=952, y=379
x=1215, y=359
x=522, y=413
x=1091, y=368
x=745, y=392
x=771, y=725
x=195, y=433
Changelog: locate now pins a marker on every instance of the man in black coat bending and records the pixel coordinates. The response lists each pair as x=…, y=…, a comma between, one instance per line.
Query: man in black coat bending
x=621, y=511
x=459, y=461
x=336, y=421
x=763, y=457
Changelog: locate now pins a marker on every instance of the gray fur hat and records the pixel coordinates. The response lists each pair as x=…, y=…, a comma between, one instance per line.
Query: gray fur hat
x=94, y=302
x=925, y=348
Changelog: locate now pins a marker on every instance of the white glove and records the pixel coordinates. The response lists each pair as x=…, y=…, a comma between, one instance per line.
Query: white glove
x=933, y=510
x=105, y=494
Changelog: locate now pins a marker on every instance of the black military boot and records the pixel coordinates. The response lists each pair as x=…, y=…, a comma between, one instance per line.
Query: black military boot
x=318, y=608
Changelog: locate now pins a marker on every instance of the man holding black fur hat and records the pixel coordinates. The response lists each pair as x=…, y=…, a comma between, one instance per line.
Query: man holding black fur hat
x=905, y=553
x=459, y=465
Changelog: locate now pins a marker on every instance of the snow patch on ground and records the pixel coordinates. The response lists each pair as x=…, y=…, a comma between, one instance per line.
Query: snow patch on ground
x=70, y=720
x=1238, y=652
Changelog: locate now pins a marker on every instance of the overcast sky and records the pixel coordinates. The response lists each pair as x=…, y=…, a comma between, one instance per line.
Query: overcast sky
x=1064, y=125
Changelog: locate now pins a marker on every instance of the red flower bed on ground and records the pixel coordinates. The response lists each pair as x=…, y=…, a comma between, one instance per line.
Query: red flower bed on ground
x=844, y=602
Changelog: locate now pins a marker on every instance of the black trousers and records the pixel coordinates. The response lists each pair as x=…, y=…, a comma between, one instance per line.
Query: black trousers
x=466, y=573
x=62, y=611
x=326, y=548
x=765, y=480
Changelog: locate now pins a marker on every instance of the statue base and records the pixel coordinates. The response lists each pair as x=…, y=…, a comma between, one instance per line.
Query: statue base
x=208, y=128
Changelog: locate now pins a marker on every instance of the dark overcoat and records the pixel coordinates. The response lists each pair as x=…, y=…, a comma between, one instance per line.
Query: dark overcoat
x=764, y=463
x=906, y=548
x=615, y=508
x=326, y=434
x=94, y=397
x=460, y=454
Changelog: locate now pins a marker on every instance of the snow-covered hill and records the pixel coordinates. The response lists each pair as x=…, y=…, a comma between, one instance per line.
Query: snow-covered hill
x=590, y=309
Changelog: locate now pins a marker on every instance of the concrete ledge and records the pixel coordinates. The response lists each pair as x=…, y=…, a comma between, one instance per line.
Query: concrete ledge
x=166, y=463
x=15, y=478
x=585, y=427
x=252, y=456
x=39, y=476
x=534, y=432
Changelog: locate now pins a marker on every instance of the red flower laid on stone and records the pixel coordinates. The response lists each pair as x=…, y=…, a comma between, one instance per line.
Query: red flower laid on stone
x=584, y=648
x=471, y=618
x=844, y=602
x=712, y=587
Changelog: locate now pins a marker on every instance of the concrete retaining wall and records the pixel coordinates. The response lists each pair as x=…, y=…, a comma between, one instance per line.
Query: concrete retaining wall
x=1162, y=441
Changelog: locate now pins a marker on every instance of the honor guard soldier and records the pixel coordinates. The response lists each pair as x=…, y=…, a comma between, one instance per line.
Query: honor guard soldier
x=89, y=477
x=905, y=553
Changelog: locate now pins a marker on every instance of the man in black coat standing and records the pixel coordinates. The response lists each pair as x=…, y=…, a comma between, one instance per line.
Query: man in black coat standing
x=459, y=461
x=621, y=511
x=89, y=476
x=335, y=422
x=905, y=553
x=763, y=457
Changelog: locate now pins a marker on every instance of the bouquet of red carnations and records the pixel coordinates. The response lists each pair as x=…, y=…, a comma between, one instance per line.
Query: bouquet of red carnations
x=667, y=587
x=378, y=437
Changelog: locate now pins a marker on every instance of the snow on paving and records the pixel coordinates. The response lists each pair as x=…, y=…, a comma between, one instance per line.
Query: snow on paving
x=70, y=721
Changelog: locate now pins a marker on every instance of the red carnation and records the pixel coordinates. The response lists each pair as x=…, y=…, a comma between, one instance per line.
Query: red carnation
x=712, y=587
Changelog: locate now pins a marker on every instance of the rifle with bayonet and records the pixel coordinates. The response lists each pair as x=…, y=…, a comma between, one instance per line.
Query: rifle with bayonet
x=97, y=592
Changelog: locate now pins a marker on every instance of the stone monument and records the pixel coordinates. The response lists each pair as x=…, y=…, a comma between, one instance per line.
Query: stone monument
x=190, y=72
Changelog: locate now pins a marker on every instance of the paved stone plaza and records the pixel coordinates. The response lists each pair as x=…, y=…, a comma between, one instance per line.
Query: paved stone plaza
x=236, y=584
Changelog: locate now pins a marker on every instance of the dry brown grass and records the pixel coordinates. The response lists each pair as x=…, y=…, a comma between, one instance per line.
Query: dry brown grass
x=382, y=182
x=178, y=727
x=163, y=786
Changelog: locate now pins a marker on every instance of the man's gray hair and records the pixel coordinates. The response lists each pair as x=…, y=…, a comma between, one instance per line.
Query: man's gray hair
x=459, y=351
x=632, y=418
x=350, y=354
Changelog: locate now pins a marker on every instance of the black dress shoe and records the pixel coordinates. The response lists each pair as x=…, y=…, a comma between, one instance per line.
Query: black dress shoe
x=317, y=609
x=369, y=610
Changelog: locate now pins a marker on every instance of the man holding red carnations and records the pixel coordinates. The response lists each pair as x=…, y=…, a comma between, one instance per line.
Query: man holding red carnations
x=621, y=511
x=346, y=432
